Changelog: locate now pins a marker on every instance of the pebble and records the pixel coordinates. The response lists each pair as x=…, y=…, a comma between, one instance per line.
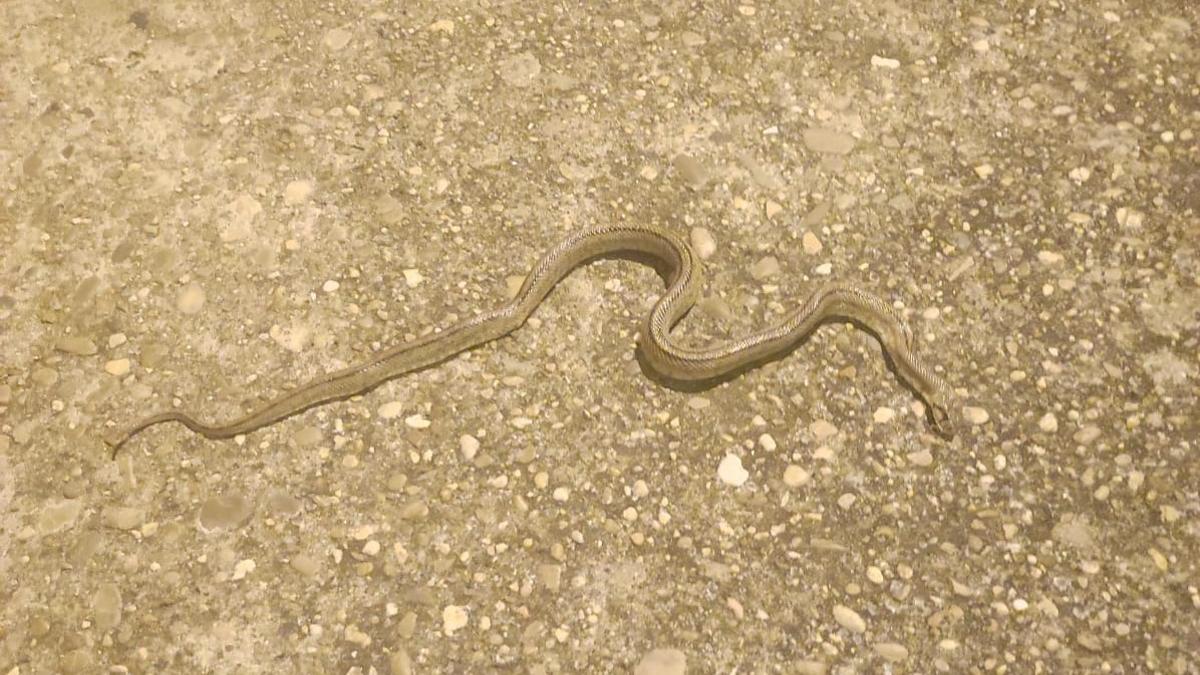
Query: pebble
x=297, y=191
x=1087, y=434
x=1049, y=257
x=390, y=410
x=883, y=415
x=765, y=268
x=847, y=500
x=225, y=512
x=767, y=441
x=330, y=286
x=822, y=429
x=821, y=139
x=307, y=436
x=336, y=39
x=79, y=346
x=874, y=575
x=468, y=445
x=812, y=245
x=190, y=299
x=116, y=340
x=117, y=367
x=703, y=242
x=794, y=476
x=417, y=421
x=891, y=651
x=454, y=617
x=921, y=457
x=413, y=278
x=976, y=416
x=824, y=269
x=242, y=568
x=662, y=662
x=849, y=619
x=58, y=516
x=306, y=565
x=884, y=62
x=106, y=607
x=984, y=170
x=1048, y=423
x=731, y=472
x=122, y=517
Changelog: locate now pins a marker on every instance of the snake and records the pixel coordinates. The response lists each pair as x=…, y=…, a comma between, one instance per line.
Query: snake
x=676, y=365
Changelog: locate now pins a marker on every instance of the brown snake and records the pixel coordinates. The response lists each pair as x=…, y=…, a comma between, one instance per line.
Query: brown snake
x=679, y=266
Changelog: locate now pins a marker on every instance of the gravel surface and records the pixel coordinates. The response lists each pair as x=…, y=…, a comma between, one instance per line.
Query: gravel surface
x=204, y=204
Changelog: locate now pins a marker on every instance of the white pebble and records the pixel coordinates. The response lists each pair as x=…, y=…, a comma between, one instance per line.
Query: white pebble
x=849, y=619
x=767, y=441
x=413, y=278
x=118, y=367
x=1048, y=423
x=454, y=617
x=703, y=242
x=976, y=416
x=390, y=410
x=812, y=245
x=330, y=286
x=795, y=476
x=191, y=299
x=884, y=414
x=468, y=445
x=417, y=421
x=731, y=472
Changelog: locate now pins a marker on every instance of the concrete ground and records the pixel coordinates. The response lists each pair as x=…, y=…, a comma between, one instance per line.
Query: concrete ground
x=204, y=204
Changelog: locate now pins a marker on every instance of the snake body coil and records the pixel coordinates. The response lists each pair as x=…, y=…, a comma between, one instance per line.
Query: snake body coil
x=680, y=267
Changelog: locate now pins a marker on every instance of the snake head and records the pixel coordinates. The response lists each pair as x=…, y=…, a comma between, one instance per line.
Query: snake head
x=939, y=419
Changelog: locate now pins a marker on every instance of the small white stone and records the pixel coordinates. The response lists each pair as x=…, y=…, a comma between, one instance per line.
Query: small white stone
x=847, y=500
x=984, y=170
x=1049, y=257
x=454, y=617
x=824, y=269
x=884, y=62
x=116, y=340
x=976, y=416
x=468, y=445
x=242, y=568
x=330, y=286
x=767, y=441
x=921, y=457
x=297, y=191
x=731, y=472
x=191, y=299
x=390, y=410
x=1048, y=423
x=561, y=494
x=849, y=619
x=884, y=414
x=891, y=651
x=417, y=421
x=371, y=547
x=794, y=476
x=662, y=662
x=118, y=367
x=413, y=278
x=703, y=242
x=822, y=429
x=812, y=245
